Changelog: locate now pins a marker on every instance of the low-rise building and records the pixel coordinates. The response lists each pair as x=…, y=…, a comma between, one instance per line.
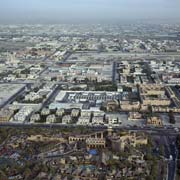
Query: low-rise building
x=32, y=96
x=51, y=119
x=98, y=120
x=154, y=95
x=66, y=119
x=41, y=138
x=112, y=105
x=35, y=118
x=112, y=119
x=83, y=120
x=131, y=139
x=45, y=112
x=129, y=106
x=23, y=113
x=95, y=142
x=85, y=113
x=135, y=116
x=156, y=121
x=60, y=112
x=75, y=112
x=5, y=115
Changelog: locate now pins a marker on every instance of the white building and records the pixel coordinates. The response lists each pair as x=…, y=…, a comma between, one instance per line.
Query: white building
x=83, y=120
x=35, y=118
x=86, y=113
x=32, y=96
x=51, y=119
x=45, y=111
x=60, y=112
x=23, y=113
x=75, y=113
x=98, y=120
x=98, y=113
x=66, y=119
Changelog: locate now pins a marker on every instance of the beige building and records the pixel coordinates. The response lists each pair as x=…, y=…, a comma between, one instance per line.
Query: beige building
x=165, y=109
x=96, y=142
x=155, y=101
x=112, y=105
x=77, y=138
x=131, y=139
x=134, y=116
x=129, y=106
x=154, y=95
x=75, y=112
x=5, y=115
x=41, y=138
x=156, y=121
x=152, y=89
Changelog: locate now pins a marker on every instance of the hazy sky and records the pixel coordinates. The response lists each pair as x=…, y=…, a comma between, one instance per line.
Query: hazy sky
x=41, y=11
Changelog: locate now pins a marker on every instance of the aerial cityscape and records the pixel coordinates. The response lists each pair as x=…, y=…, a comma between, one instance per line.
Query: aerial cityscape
x=90, y=101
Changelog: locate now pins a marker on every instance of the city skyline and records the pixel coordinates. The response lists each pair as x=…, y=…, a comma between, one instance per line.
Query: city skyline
x=90, y=89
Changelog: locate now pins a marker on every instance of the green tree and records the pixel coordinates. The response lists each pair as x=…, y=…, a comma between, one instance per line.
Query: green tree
x=27, y=173
x=3, y=176
x=172, y=118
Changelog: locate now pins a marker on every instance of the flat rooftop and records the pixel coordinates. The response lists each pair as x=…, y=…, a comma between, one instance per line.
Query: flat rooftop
x=7, y=91
x=72, y=96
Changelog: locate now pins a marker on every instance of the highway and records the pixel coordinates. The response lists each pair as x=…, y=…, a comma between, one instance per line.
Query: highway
x=151, y=130
x=134, y=55
x=170, y=154
x=172, y=163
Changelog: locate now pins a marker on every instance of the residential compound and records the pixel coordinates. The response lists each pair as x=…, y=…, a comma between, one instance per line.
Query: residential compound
x=69, y=77
x=79, y=72
x=89, y=102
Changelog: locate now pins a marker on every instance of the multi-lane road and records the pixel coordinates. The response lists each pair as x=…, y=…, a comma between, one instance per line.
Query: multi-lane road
x=152, y=130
